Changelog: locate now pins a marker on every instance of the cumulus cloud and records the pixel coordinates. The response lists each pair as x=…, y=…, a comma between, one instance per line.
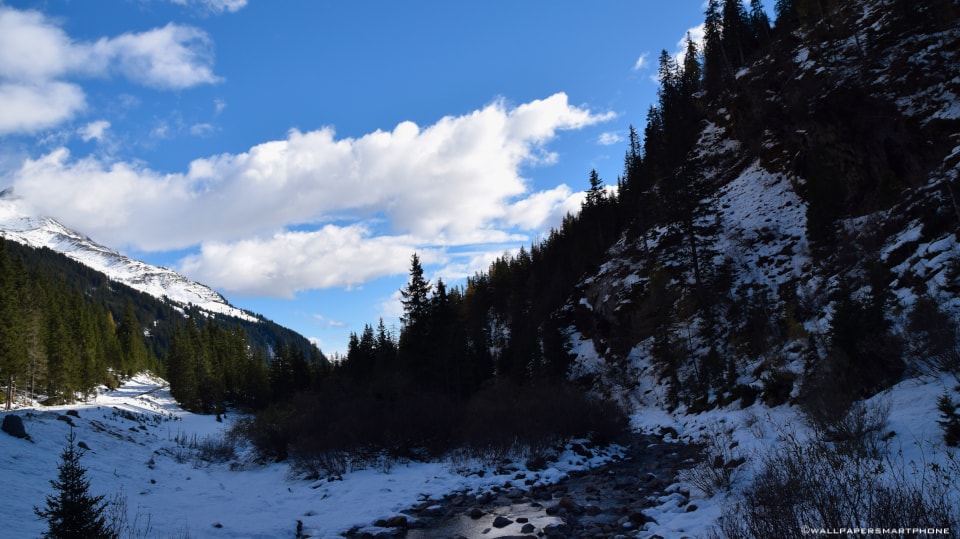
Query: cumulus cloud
x=28, y=108
x=291, y=261
x=373, y=199
x=171, y=58
x=38, y=60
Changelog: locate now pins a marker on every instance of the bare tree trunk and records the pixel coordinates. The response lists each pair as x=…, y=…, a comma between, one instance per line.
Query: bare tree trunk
x=10, y=389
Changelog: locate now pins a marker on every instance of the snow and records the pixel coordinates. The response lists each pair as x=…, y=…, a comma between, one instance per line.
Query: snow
x=139, y=442
x=20, y=223
x=758, y=430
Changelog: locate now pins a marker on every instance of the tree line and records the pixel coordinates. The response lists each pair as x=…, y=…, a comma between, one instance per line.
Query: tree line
x=66, y=329
x=56, y=343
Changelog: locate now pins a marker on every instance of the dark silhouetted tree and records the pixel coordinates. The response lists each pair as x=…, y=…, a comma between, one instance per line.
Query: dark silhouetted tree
x=72, y=512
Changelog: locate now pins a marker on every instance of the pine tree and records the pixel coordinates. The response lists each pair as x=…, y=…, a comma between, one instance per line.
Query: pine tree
x=72, y=512
x=595, y=195
x=716, y=65
x=415, y=300
x=130, y=334
x=760, y=23
x=736, y=35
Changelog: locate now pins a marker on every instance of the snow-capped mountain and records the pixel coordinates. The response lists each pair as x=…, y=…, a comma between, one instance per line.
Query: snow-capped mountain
x=20, y=223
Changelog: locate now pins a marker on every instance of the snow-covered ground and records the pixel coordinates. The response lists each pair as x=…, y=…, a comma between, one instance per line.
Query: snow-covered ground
x=756, y=431
x=140, y=440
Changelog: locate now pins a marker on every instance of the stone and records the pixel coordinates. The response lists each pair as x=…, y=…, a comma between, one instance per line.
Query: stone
x=501, y=522
x=13, y=425
x=555, y=529
x=570, y=506
x=579, y=449
x=398, y=521
x=476, y=513
x=528, y=528
x=431, y=511
x=515, y=493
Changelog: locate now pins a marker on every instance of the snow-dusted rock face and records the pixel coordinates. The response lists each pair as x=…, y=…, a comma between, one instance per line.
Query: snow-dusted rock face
x=833, y=167
x=18, y=222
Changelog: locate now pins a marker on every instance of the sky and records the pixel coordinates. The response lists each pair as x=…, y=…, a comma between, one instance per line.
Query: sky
x=294, y=155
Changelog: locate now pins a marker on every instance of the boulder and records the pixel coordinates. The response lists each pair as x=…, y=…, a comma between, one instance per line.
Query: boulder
x=398, y=521
x=13, y=425
x=501, y=522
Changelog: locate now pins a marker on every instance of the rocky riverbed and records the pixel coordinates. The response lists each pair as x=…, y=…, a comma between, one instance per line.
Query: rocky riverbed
x=605, y=502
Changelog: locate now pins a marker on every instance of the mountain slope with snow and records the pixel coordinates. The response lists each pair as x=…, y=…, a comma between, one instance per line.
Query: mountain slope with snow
x=18, y=222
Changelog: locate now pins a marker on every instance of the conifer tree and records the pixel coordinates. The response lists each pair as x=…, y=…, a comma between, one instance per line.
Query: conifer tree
x=415, y=295
x=130, y=334
x=595, y=194
x=760, y=23
x=716, y=65
x=736, y=35
x=72, y=512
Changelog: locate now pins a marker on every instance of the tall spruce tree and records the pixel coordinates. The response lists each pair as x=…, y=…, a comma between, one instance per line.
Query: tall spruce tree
x=416, y=301
x=72, y=512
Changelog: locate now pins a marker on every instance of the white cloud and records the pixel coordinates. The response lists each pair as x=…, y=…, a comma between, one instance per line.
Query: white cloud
x=544, y=209
x=201, y=130
x=609, y=138
x=291, y=261
x=29, y=108
x=330, y=322
x=454, y=183
x=94, y=130
x=641, y=61
x=172, y=58
x=214, y=6
x=38, y=59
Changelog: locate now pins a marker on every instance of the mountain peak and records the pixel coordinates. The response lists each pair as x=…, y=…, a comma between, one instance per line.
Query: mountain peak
x=21, y=223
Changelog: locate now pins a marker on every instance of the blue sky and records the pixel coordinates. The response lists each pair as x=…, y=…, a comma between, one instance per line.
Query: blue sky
x=294, y=155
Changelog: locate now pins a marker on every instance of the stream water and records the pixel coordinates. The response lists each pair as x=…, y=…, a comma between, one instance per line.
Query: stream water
x=604, y=502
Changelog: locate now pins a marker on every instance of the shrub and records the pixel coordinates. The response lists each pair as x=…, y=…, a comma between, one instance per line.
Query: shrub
x=715, y=473
x=829, y=484
x=777, y=387
x=949, y=419
x=330, y=431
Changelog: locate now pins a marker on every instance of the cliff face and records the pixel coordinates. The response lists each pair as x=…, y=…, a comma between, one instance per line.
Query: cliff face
x=824, y=249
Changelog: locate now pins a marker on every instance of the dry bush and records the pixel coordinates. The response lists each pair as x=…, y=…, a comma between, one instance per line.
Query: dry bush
x=832, y=484
x=715, y=473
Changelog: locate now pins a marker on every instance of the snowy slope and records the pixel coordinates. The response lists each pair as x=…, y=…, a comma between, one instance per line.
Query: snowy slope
x=144, y=446
x=18, y=222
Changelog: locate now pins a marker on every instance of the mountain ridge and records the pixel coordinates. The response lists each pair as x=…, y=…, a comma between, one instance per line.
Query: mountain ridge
x=18, y=222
